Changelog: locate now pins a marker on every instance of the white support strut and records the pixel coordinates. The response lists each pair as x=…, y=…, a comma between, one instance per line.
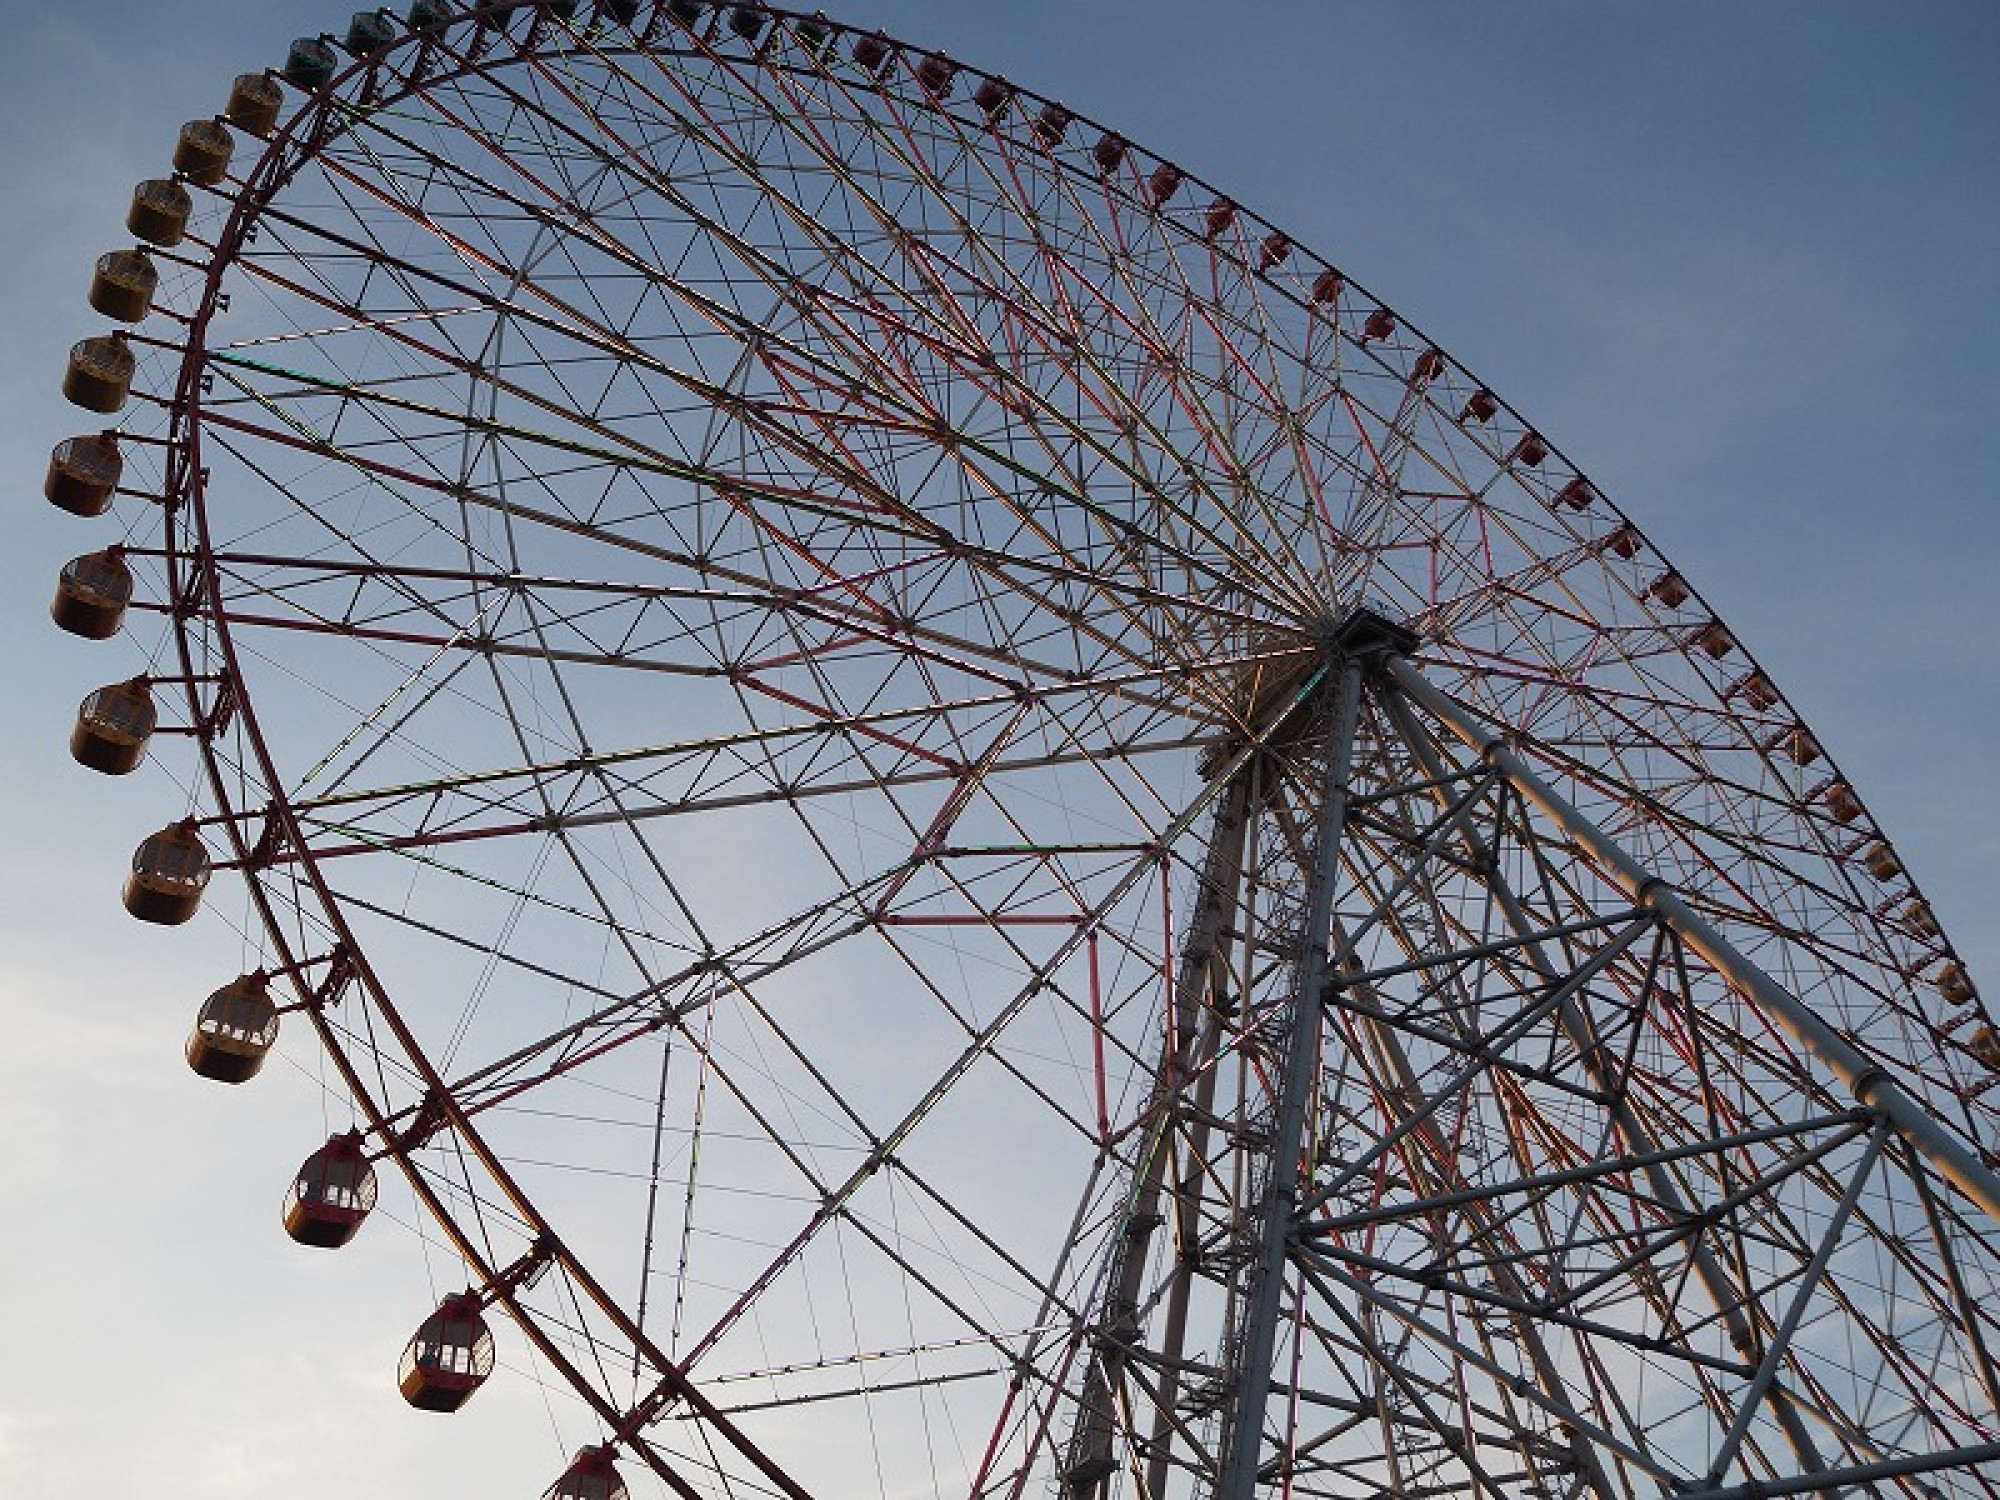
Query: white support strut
x=1865, y=1079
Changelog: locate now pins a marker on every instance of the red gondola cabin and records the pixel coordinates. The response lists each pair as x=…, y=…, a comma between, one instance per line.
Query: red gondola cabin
x=331, y=1195
x=449, y=1358
x=592, y=1476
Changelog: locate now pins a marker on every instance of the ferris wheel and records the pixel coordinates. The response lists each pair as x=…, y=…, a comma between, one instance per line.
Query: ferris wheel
x=974, y=830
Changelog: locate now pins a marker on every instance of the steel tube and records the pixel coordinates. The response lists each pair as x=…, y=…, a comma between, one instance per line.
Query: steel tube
x=1887, y=1468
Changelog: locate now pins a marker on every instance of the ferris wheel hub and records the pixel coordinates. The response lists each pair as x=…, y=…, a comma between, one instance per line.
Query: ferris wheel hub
x=1368, y=634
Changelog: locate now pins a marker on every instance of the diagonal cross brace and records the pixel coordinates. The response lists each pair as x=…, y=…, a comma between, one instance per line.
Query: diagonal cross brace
x=1866, y=1079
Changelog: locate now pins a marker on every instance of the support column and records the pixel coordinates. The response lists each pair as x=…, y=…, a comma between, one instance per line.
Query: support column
x=1256, y=1347
x=1092, y=1458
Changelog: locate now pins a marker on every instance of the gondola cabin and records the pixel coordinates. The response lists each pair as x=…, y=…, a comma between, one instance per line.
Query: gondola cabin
x=309, y=64
x=1622, y=542
x=159, y=212
x=592, y=1476
x=812, y=31
x=99, y=376
x=254, y=102
x=202, y=152
x=112, y=727
x=332, y=1194
x=91, y=594
x=992, y=97
x=369, y=31
x=449, y=1358
x=936, y=74
x=170, y=870
x=1954, y=985
x=234, y=1031
x=1577, y=494
x=123, y=284
x=1841, y=802
x=1882, y=862
x=872, y=52
x=1670, y=589
x=84, y=474
x=1715, y=639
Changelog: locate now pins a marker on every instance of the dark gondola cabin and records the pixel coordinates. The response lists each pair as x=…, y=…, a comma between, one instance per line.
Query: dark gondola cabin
x=202, y=153
x=1623, y=542
x=872, y=52
x=234, y=1031
x=84, y=474
x=368, y=31
x=1882, y=862
x=1954, y=985
x=992, y=97
x=112, y=727
x=254, y=102
x=1715, y=639
x=449, y=1358
x=1670, y=589
x=91, y=594
x=1577, y=494
x=123, y=284
x=331, y=1195
x=592, y=1476
x=169, y=873
x=309, y=64
x=99, y=377
x=159, y=212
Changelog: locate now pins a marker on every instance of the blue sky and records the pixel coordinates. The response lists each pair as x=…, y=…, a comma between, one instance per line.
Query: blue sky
x=1737, y=262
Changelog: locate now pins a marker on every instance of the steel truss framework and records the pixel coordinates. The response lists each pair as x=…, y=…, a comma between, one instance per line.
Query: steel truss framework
x=771, y=626
x=1417, y=1152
